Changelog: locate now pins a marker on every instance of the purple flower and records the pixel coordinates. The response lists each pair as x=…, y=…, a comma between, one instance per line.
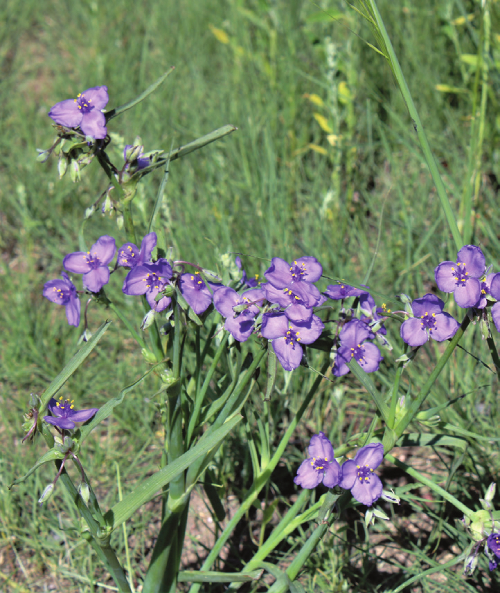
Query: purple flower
x=493, y=543
x=93, y=264
x=342, y=291
x=64, y=415
x=371, y=313
x=358, y=476
x=303, y=270
x=288, y=336
x=149, y=279
x=84, y=112
x=462, y=278
x=429, y=322
x=321, y=465
x=63, y=292
x=296, y=309
x=353, y=345
x=196, y=292
x=239, y=325
x=141, y=162
x=129, y=255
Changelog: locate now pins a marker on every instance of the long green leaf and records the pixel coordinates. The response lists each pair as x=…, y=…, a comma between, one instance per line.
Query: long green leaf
x=368, y=384
x=51, y=455
x=208, y=576
x=142, y=493
x=119, y=110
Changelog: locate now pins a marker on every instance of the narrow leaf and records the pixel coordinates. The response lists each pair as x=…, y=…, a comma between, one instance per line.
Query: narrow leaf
x=51, y=455
x=368, y=384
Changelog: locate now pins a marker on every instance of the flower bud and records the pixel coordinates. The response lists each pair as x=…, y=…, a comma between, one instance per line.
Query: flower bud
x=148, y=356
x=84, y=492
x=46, y=494
x=390, y=497
x=148, y=319
x=62, y=166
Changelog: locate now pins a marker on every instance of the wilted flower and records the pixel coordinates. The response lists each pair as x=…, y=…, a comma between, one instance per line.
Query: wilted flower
x=358, y=476
x=493, y=543
x=64, y=415
x=353, y=345
x=63, y=292
x=195, y=291
x=84, y=112
x=93, y=264
x=462, y=278
x=141, y=162
x=288, y=336
x=251, y=282
x=129, y=255
x=321, y=465
x=149, y=279
x=429, y=322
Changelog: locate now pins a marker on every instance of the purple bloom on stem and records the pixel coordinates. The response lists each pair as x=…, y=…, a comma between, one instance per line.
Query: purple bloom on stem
x=149, y=279
x=462, y=278
x=342, y=291
x=493, y=543
x=251, y=282
x=353, y=345
x=239, y=325
x=93, y=264
x=84, y=112
x=371, y=313
x=129, y=255
x=283, y=275
x=429, y=322
x=196, y=292
x=358, y=476
x=321, y=465
x=64, y=415
x=296, y=309
x=288, y=336
x=63, y=292
x=141, y=161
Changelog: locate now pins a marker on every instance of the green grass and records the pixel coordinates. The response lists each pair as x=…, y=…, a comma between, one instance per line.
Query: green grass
x=279, y=186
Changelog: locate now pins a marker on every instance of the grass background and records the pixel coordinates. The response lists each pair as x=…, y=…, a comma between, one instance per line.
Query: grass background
x=324, y=160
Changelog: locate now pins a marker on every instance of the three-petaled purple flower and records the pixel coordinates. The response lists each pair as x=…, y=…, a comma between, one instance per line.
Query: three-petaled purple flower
x=93, y=264
x=84, y=112
x=195, y=291
x=342, y=291
x=463, y=277
x=149, y=279
x=493, y=543
x=296, y=309
x=240, y=322
x=63, y=292
x=320, y=466
x=353, y=345
x=358, y=476
x=64, y=415
x=429, y=322
x=130, y=256
x=287, y=337
x=297, y=278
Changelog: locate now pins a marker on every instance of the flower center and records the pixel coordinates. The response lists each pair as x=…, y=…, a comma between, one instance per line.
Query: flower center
x=364, y=473
x=92, y=260
x=65, y=406
x=428, y=321
x=291, y=338
x=358, y=352
x=153, y=280
x=319, y=463
x=298, y=272
x=199, y=284
x=460, y=274
x=84, y=105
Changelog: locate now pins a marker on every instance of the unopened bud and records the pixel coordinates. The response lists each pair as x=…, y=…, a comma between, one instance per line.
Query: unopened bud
x=148, y=319
x=84, y=491
x=46, y=494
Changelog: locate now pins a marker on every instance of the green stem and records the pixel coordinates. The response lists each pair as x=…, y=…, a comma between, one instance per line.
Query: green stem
x=494, y=354
x=128, y=325
x=395, y=392
x=405, y=91
x=432, y=485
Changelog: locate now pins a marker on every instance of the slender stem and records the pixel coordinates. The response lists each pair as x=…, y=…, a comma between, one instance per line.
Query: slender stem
x=417, y=124
x=395, y=392
x=494, y=354
x=138, y=338
x=431, y=484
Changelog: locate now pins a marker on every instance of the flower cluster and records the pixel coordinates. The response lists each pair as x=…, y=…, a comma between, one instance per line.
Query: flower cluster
x=356, y=475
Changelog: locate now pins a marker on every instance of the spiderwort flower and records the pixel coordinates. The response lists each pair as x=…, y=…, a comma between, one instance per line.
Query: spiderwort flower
x=353, y=345
x=149, y=279
x=429, y=322
x=93, y=264
x=493, y=543
x=320, y=466
x=298, y=276
x=342, y=291
x=287, y=337
x=296, y=309
x=64, y=415
x=84, y=112
x=63, y=292
x=195, y=291
x=463, y=277
x=241, y=325
x=129, y=255
x=358, y=476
